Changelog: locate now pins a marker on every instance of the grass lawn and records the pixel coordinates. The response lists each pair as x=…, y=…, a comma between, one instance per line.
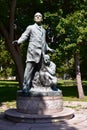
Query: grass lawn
x=8, y=91
x=69, y=90
x=8, y=94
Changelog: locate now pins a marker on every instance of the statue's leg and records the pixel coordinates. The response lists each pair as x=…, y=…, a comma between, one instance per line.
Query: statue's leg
x=28, y=76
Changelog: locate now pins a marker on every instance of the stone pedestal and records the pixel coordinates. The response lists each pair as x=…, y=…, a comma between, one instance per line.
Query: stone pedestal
x=41, y=103
x=39, y=106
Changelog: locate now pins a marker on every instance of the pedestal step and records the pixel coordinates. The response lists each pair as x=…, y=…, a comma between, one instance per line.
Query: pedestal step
x=39, y=107
x=13, y=115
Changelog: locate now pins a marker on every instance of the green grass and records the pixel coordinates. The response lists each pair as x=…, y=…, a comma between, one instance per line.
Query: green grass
x=8, y=91
x=70, y=92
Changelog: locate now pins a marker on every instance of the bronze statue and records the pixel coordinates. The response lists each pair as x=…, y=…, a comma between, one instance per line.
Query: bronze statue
x=36, y=49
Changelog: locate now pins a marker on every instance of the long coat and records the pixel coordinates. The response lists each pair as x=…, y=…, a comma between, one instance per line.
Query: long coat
x=37, y=42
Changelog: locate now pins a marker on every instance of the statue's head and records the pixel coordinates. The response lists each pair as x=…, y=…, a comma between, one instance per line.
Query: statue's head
x=47, y=59
x=38, y=17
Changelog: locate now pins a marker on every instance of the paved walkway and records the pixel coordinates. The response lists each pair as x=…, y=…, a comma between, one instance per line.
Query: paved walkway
x=79, y=122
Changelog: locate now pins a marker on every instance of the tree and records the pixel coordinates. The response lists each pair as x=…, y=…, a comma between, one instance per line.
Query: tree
x=6, y=62
x=15, y=14
x=68, y=23
x=7, y=31
x=74, y=26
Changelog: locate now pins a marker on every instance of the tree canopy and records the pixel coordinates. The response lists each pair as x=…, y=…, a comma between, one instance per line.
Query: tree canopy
x=67, y=21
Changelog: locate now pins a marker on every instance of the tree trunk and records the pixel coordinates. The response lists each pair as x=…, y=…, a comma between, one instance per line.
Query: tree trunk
x=78, y=77
x=16, y=55
x=14, y=50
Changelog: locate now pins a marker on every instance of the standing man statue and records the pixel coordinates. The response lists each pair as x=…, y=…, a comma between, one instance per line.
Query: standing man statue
x=36, y=49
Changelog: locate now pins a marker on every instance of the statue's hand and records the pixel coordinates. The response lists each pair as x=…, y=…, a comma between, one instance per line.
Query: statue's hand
x=15, y=42
x=53, y=51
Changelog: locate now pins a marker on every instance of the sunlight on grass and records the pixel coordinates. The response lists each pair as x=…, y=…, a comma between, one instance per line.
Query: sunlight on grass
x=74, y=99
x=7, y=105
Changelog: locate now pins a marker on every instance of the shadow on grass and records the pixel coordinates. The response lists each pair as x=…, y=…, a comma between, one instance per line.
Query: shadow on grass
x=85, y=89
x=7, y=92
x=71, y=91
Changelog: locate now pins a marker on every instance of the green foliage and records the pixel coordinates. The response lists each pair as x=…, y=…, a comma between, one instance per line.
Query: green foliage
x=25, y=11
x=4, y=11
x=6, y=62
x=75, y=28
x=67, y=19
x=69, y=24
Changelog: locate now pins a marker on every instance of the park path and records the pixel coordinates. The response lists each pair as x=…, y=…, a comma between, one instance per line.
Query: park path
x=79, y=122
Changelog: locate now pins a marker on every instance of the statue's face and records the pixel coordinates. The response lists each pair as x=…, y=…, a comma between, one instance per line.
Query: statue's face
x=47, y=59
x=38, y=18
